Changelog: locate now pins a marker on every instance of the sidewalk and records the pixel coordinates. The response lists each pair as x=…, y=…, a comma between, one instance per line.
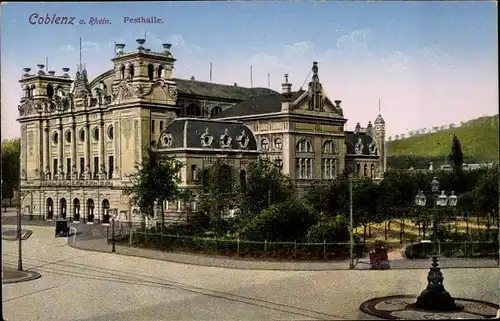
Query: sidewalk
x=396, y=260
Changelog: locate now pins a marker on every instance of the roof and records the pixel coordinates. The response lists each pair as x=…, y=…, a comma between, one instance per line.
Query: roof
x=257, y=105
x=208, y=89
x=207, y=134
x=352, y=138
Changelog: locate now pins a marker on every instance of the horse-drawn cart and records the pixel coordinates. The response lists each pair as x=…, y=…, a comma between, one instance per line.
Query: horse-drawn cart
x=379, y=259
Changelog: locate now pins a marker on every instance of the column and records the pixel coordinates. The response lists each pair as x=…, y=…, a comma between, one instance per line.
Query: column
x=300, y=167
x=73, y=146
x=102, y=161
x=115, y=137
x=45, y=147
x=87, y=145
x=60, y=145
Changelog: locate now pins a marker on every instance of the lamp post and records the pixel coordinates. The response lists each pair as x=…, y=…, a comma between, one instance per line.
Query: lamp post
x=435, y=297
x=351, y=226
x=22, y=195
x=113, y=249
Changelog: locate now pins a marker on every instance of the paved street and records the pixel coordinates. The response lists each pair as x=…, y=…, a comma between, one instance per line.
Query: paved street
x=83, y=285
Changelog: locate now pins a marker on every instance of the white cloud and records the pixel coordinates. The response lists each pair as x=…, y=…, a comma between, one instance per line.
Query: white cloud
x=299, y=48
x=355, y=42
x=398, y=60
x=88, y=46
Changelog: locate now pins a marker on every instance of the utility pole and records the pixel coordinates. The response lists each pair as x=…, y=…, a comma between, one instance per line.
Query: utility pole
x=351, y=226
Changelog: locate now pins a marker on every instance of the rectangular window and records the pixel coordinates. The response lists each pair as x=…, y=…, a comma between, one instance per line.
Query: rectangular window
x=329, y=168
x=111, y=167
x=193, y=172
x=68, y=167
x=82, y=165
x=153, y=126
x=55, y=166
x=96, y=166
x=161, y=125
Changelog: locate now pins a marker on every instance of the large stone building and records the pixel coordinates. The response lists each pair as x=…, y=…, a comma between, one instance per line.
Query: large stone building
x=80, y=139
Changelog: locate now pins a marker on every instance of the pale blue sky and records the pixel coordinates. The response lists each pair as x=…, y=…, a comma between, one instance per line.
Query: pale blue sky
x=419, y=58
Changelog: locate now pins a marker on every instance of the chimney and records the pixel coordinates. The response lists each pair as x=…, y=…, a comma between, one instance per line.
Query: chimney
x=148, y=50
x=235, y=84
x=52, y=73
x=286, y=87
x=192, y=78
x=40, y=69
x=337, y=103
x=120, y=47
x=167, y=47
x=287, y=94
x=65, y=71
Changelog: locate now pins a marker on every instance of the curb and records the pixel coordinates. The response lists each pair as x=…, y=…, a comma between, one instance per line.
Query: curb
x=30, y=276
x=320, y=269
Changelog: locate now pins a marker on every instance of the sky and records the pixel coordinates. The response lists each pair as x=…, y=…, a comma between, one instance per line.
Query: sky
x=429, y=63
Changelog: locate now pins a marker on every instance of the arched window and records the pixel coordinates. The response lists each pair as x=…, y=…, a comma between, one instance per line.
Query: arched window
x=215, y=111
x=32, y=91
x=76, y=210
x=193, y=110
x=62, y=207
x=225, y=178
x=151, y=72
x=358, y=169
x=372, y=171
x=50, y=208
x=50, y=91
x=131, y=71
x=304, y=146
x=205, y=180
x=90, y=210
x=160, y=72
x=365, y=170
x=329, y=147
x=122, y=72
x=243, y=179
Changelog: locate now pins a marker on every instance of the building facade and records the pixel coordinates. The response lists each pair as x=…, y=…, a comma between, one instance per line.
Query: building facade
x=81, y=139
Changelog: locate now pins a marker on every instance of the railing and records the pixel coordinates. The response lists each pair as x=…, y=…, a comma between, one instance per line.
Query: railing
x=246, y=247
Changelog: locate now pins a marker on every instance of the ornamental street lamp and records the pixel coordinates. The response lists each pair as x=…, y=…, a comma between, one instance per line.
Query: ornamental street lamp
x=435, y=297
x=113, y=249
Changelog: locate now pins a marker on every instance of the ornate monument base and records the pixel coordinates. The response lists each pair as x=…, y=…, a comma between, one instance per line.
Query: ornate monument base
x=436, y=298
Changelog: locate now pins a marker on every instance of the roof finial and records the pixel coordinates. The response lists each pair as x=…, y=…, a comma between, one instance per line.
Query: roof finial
x=315, y=68
x=379, y=106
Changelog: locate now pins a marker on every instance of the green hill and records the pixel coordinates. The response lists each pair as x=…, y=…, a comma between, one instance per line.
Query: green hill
x=478, y=137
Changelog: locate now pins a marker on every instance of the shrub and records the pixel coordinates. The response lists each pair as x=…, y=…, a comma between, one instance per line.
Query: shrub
x=332, y=231
x=286, y=221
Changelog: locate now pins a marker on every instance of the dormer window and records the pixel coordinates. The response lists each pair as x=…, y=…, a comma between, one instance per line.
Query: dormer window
x=50, y=91
x=131, y=71
x=151, y=72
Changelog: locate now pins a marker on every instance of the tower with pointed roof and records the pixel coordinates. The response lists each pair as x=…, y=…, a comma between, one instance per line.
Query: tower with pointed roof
x=379, y=135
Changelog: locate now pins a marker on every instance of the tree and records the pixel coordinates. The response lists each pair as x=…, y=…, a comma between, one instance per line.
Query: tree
x=11, y=152
x=330, y=198
x=265, y=185
x=456, y=156
x=155, y=181
x=287, y=221
x=220, y=193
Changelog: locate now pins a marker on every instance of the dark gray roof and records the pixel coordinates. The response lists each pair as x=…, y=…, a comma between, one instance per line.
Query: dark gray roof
x=351, y=138
x=208, y=89
x=191, y=132
x=257, y=105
